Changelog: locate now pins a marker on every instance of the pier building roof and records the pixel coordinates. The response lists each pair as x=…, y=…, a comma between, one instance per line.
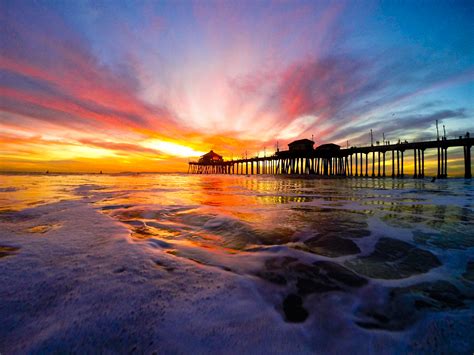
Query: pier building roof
x=211, y=157
x=301, y=144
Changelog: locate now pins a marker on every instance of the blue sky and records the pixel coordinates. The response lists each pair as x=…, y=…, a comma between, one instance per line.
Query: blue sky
x=128, y=80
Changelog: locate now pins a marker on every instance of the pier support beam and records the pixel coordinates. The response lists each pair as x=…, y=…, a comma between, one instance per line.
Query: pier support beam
x=403, y=172
x=366, y=164
x=422, y=163
x=356, y=167
x=467, y=162
x=378, y=164
x=373, y=163
x=383, y=164
x=442, y=162
x=415, y=170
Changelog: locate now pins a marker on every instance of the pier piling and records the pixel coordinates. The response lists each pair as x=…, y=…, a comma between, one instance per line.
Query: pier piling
x=347, y=162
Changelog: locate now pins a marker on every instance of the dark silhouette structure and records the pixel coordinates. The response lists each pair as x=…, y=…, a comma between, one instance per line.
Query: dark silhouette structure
x=211, y=158
x=331, y=160
x=210, y=163
x=301, y=145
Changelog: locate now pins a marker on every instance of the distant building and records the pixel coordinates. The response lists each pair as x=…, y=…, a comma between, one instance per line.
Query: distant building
x=301, y=145
x=211, y=158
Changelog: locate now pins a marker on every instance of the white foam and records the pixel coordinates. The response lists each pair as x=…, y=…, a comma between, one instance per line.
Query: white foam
x=88, y=286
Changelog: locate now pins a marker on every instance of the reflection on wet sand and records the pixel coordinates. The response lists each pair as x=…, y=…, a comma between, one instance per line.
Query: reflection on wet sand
x=6, y=250
x=217, y=217
x=302, y=238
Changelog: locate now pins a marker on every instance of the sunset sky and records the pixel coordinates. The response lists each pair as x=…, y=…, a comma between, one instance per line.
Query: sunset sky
x=147, y=85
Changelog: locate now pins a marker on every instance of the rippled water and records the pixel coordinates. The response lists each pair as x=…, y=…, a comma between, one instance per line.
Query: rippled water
x=403, y=248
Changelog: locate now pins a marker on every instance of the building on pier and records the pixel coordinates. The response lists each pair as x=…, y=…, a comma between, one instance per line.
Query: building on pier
x=211, y=163
x=211, y=158
x=301, y=145
x=328, y=150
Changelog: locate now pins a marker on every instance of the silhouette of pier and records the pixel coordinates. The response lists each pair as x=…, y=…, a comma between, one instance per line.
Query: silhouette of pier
x=330, y=160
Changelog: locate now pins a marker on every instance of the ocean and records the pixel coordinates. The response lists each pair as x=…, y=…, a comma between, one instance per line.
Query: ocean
x=178, y=263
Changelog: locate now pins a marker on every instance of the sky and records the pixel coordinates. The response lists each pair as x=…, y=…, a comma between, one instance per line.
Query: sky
x=149, y=85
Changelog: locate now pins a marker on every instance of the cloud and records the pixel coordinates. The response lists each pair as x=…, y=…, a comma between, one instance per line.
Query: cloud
x=350, y=94
x=120, y=147
x=225, y=76
x=409, y=126
x=55, y=73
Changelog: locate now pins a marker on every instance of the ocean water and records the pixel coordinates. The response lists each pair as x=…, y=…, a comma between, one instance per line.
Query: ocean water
x=180, y=263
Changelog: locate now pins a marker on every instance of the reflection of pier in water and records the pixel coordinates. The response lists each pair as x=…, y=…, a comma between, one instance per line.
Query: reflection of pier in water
x=331, y=160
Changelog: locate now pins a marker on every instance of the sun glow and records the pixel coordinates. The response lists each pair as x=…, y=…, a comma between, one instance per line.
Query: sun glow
x=173, y=149
x=150, y=89
x=297, y=127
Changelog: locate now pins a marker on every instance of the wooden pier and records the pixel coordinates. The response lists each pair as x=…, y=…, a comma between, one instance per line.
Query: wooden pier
x=331, y=160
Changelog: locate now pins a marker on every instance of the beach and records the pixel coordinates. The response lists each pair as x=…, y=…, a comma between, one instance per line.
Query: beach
x=177, y=263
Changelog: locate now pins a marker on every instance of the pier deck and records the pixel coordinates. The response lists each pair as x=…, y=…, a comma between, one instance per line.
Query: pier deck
x=352, y=161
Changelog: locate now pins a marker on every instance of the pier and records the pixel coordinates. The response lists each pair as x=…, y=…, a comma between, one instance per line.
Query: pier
x=332, y=160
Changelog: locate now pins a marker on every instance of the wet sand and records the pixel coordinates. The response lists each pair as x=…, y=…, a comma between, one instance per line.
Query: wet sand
x=178, y=263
